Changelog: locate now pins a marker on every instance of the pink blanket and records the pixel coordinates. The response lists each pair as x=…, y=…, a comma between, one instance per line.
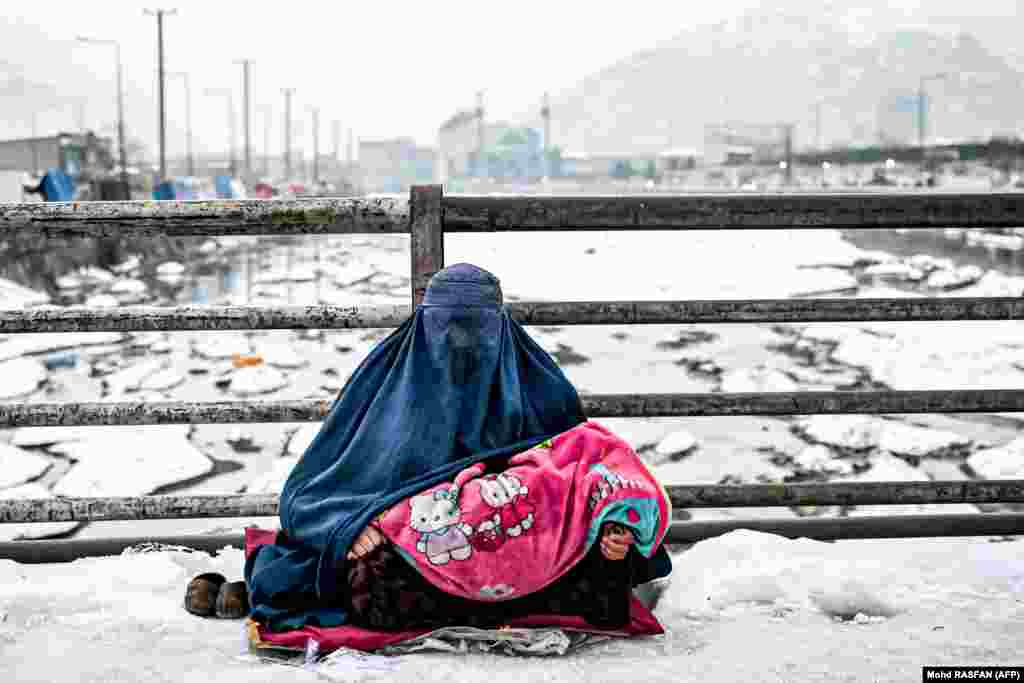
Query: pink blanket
x=641, y=623
x=497, y=536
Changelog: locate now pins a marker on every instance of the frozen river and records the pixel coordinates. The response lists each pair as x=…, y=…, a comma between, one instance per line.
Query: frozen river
x=598, y=359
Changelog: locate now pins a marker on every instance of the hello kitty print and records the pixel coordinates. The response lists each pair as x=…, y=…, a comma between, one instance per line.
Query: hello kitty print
x=499, y=535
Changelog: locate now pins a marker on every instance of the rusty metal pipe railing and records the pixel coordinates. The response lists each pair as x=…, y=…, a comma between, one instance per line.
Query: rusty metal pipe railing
x=63, y=509
x=817, y=528
x=594, y=405
x=361, y=215
x=734, y=212
x=426, y=216
x=220, y=318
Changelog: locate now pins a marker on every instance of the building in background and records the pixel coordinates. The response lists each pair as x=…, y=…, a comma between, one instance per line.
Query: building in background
x=394, y=165
x=741, y=142
x=678, y=160
x=896, y=119
x=77, y=154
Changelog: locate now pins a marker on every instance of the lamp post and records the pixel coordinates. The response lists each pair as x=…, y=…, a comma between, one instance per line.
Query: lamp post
x=162, y=120
x=188, y=119
x=288, y=92
x=120, y=103
x=315, y=111
x=231, y=122
x=246, y=115
x=267, y=111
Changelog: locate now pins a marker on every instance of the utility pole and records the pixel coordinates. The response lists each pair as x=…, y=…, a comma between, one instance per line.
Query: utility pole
x=288, y=92
x=789, y=153
x=480, y=130
x=188, y=119
x=545, y=113
x=316, y=144
x=817, y=125
x=267, y=111
x=120, y=106
x=246, y=115
x=162, y=116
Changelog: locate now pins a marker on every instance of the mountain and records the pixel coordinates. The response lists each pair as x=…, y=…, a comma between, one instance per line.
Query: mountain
x=772, y=65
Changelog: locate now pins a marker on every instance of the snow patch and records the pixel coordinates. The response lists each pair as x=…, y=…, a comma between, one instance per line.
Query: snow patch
x=21, y=377
x=258, y=380
x=17, y=532
x=1003, y=462
x=130, y=464
x=273, y=480
x=18, y=466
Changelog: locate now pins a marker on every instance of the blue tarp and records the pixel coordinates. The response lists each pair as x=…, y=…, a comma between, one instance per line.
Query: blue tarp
x=224, y=187
x=57, y=186
x=165, y=191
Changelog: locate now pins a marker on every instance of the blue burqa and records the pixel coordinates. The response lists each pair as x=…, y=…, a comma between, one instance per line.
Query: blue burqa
x=459, y=382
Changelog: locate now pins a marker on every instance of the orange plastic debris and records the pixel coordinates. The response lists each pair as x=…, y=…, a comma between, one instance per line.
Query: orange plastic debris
x=240, y=361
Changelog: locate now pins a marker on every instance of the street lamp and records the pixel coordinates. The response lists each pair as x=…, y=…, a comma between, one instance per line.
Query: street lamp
x=315, y=111
x=188, y=119
x=225, y=92
x=162, y=114
x=267, y=111
x=120, y=104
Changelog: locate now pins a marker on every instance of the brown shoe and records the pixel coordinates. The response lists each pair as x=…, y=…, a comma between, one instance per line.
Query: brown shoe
x=232, y=601
x=201, y=594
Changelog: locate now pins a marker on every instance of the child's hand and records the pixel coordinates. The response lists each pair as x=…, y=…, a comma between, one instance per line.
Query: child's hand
x=615, y=542
x=367, y=541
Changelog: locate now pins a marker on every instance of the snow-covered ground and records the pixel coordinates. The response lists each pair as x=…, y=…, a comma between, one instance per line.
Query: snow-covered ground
x=745, y=606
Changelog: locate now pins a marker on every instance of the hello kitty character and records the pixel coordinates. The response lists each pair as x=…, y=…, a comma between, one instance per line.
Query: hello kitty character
x=443, y=536
x=507, y=496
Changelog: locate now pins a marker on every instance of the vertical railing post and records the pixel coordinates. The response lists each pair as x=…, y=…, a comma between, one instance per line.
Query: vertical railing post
x=426, y=237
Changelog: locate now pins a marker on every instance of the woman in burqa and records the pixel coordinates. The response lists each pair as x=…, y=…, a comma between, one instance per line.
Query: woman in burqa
x=458, y=383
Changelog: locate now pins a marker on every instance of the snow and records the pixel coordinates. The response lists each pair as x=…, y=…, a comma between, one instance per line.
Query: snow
x=18, y=466
x=14, y=532
x=819, y=458
x=130, y=463
x=221, y=346
x=170, y=268
x=676, y=443
x=1004, y=462
x=16, y=296
x=272, y=481
x=302, y=437
x=162, y=380
x=743, y=606
x=756, y=379
x=258, y=380
x=853, y=432
x=281, y=356
x=905, y=439
x=133, y=377
x=21, y=376
x=26, y=344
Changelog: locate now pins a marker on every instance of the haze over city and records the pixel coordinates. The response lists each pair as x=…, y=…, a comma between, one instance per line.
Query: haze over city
x=397, y=69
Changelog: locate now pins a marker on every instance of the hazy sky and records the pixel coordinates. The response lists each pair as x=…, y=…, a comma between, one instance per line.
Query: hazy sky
x=383, y=68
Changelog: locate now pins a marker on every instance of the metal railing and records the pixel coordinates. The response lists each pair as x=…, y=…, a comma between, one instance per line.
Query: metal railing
x=426, y=217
